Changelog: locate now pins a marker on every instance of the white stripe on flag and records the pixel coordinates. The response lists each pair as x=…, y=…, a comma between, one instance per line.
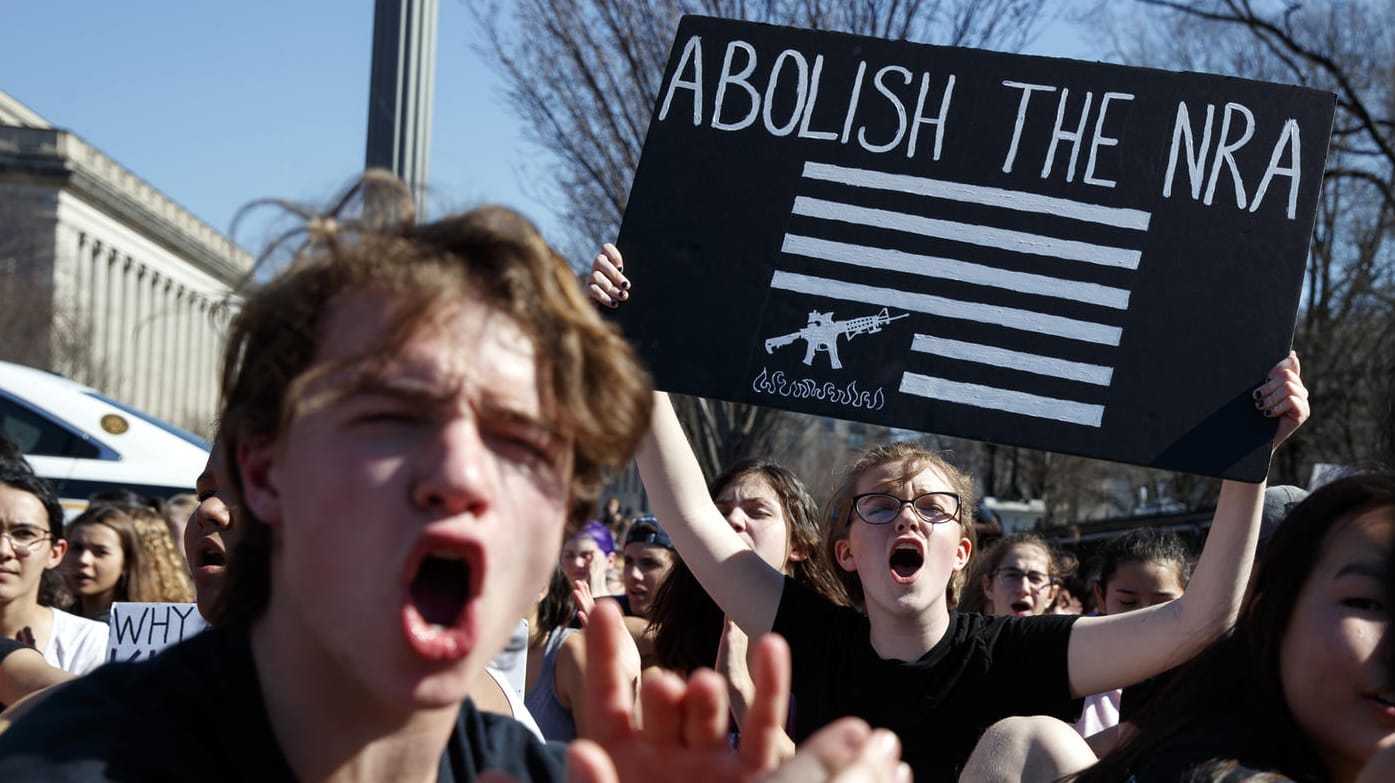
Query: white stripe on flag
x=1005, y=400
x=978, y=194
x=1010, y=317
x=1013, y=360
x=949, y=269
x=985, y=236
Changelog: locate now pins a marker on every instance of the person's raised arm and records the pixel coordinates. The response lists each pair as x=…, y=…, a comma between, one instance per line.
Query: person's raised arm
x=1117, y=650
x=742, y=584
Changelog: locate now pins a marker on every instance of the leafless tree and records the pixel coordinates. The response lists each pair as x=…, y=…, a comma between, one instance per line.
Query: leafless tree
x=583, y=75
x=1345, y=331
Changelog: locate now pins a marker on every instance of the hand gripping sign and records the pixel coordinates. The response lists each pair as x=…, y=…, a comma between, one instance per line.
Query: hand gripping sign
x=1080, y=257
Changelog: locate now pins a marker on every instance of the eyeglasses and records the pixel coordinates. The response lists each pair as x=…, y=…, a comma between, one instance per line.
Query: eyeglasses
x=879, y=508
x=23, y=538
x=1010, y=577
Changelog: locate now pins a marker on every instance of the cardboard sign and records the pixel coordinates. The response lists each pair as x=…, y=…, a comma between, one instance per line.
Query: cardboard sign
x=138, y=630
x=1070, y=256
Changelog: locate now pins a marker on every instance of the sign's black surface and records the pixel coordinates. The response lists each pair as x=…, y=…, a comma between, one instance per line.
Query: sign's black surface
x=1070, y=256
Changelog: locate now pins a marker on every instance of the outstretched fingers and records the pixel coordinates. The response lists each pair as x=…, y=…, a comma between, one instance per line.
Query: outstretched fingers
x=609, y=689
x=588, y=762
x=844, y=751
x=764, y=743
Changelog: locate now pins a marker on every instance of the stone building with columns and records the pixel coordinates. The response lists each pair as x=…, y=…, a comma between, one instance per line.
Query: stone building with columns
x=104, y=279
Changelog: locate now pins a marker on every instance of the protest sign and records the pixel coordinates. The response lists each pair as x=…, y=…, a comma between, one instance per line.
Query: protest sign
x=1080, y=257
x=137, y=631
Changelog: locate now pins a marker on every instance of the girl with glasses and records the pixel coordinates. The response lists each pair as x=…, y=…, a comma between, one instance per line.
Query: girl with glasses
x=31, y=549
x=936, y=677
x=1019, y=575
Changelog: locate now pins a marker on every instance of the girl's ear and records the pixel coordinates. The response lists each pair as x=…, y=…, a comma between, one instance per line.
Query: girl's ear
x=961, y=555
x=796, y=554
x=57, y=549
x=842, y=552
x=259, y=489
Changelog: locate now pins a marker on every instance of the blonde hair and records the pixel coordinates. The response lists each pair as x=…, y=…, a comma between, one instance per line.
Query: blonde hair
x=165, y=577
x=913, y=460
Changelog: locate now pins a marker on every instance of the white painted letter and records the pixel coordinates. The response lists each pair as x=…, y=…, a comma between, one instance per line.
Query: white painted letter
x=938, y=121
x=879, y=82
x=1027, y=90
x=1289, y=136
x=852, y=102
x=691, y=51
x=804, y=132
x=739, y=80
x=1074, y=138
x=1196, y=158
x=801, y=92
x=1223, y=154
x=1102, y=140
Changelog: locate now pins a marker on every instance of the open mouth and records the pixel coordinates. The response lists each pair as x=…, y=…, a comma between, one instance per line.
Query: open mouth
x=212, y=557
x=441, y=588
x=439, y=596
x=1021, y=607
x=906, y=560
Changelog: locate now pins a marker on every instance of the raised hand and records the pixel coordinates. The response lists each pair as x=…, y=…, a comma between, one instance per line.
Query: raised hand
x=1283, y=396
x=609, y=286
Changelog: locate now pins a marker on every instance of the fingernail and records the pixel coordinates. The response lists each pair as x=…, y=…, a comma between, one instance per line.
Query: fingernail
x=1259, y=403
x=624, y=294
x=625, y=284
x=1268, y=411
x=1258, y=394
x=613, y=304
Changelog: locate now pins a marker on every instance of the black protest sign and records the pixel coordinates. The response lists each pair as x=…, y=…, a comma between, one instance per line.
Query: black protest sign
x=1072, y=256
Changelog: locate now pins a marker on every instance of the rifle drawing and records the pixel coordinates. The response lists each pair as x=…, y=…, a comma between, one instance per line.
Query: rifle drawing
x=822, y=333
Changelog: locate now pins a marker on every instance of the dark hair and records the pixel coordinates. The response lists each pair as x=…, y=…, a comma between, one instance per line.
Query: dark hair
x=587, y=373
x=1145, y=545
x=686, y=623
x=1238, y=676
x=25, y=481
x=126, y=498
x=556, y=609
x=11, y=456
x=53, y=589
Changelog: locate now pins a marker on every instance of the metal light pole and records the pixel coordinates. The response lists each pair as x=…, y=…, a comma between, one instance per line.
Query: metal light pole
x=401, y=89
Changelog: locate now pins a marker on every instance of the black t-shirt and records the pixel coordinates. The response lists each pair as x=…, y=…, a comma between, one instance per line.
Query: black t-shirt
x=8, y=645
x=195, y=712
x=983, y=670
x=1229, y=739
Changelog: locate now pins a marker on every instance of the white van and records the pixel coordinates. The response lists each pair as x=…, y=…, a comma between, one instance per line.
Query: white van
x=85, y=443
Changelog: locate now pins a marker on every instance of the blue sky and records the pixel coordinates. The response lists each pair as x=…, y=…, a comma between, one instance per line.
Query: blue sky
x=217, y=104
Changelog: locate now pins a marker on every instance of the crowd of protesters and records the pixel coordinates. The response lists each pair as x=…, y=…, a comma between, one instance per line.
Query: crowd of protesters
x=398, y=545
